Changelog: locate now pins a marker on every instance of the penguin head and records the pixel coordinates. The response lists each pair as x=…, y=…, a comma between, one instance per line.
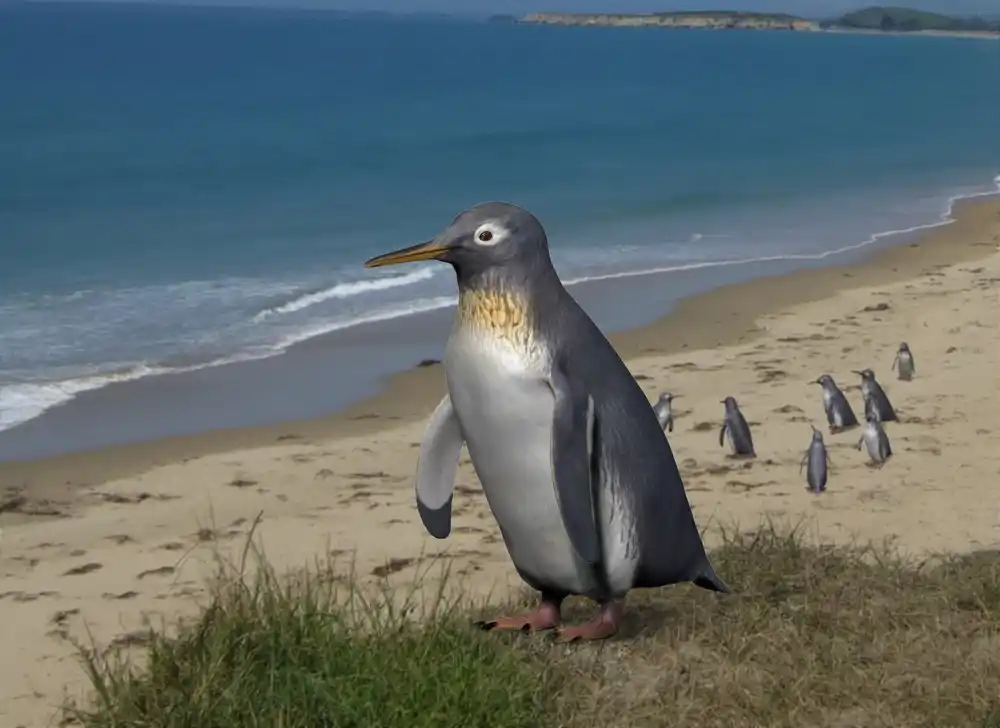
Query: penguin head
x=668, y=397
x=730, y=403
x=904, y=347
x=824, y=380
x=817, y=435
x=872, y=416
x=866, y=374
x=490, y=238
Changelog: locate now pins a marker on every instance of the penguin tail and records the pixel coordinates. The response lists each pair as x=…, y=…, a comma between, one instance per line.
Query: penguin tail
x=710, y=580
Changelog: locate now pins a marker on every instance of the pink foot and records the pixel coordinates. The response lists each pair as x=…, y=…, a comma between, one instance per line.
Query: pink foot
x=604, y=625
x=547, y=616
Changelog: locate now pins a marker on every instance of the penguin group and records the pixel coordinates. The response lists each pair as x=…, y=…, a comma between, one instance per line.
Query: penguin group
x=840, y=417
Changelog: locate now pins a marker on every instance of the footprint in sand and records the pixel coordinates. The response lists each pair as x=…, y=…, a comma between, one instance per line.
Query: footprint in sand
x=84, y=569
x=161, y=571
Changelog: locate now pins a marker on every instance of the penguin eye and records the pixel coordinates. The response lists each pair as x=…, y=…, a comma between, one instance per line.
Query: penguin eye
x=489, y=234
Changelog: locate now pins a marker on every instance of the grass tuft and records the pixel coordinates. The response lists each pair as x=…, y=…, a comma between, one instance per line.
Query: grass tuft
x=820, y=636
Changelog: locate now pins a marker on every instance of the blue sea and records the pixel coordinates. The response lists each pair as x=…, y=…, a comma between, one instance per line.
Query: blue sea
x=187, y=188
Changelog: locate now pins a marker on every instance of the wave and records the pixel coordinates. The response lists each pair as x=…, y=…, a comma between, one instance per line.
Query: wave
x=24, y=401
x=346, y=290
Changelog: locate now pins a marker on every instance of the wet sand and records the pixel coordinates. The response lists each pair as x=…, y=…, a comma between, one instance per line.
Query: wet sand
x=108, y=537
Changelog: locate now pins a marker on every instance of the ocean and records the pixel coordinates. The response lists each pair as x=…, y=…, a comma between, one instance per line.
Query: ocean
x=192, y=189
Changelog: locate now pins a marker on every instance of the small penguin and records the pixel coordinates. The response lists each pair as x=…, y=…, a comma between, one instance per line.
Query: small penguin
x=875, y=398
x=839, y=414
x=875, y=440
x=735, y=427
x=664, y=411
x=904, y=359
x=817, y=459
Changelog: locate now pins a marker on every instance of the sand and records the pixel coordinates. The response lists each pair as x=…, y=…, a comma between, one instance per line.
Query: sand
x=103, y=541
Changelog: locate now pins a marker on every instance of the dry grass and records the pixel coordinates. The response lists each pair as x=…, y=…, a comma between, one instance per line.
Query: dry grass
x=817, y=637
x=812, y=636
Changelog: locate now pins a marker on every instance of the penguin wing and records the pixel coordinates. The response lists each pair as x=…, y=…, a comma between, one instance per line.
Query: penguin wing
x=572, y=450
x=743, y=432
x=437, y=464
x=895, y=361
x=840, y=402
x=722, y=432
x=882, y=405
x=883, y=441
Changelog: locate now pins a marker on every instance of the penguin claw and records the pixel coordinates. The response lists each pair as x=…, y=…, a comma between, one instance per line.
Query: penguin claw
x=594, y=630
x=540, y=620
x=604, y=625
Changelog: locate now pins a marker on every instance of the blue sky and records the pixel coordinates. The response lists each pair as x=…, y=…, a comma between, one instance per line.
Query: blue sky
x=813, y=8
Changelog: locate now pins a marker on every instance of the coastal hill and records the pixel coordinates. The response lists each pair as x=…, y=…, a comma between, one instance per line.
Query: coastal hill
x=872, y=19
x=907, y=19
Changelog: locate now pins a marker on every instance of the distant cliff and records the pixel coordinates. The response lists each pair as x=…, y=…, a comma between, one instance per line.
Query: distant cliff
x=708, y=19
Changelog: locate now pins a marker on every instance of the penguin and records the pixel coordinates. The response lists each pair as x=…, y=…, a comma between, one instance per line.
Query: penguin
x=572, y=460
x=876, y=400
x=818, y=460
x=875, y=440
x=735, y=427
x=665, y=411
x=907, y=367
x=839, y=414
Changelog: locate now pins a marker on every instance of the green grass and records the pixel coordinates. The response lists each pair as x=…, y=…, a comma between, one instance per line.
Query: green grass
x=816, y=636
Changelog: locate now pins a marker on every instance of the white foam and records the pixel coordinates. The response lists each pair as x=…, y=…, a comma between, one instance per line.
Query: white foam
x=409, y=309
x=347, y=290
x=26, y=400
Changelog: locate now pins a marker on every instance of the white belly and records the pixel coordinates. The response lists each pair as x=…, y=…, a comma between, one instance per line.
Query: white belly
x=871, y=443
x=505, y=408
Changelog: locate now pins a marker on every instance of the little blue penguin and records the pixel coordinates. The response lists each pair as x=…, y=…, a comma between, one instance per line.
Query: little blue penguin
x=875, y=398
x=736, y=429
x=839, y=414
x=664, y=411
x=907, y=367
x=817, y=460
x=875, y=440
x=573, y=462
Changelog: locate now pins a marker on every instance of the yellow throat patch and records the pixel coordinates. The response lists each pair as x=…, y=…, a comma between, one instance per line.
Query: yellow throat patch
x=497, y=314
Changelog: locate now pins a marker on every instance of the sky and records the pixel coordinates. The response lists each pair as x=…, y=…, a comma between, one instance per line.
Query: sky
x=808, y=8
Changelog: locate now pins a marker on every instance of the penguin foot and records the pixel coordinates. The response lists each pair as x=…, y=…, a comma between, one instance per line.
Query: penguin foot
x=604, y=625
x=547, y=616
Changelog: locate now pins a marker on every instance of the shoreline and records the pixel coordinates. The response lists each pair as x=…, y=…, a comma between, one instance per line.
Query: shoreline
x=410, y=395
x=210, y=396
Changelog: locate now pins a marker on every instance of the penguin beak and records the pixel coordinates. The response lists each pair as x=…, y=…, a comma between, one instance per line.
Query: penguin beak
x=430, y=250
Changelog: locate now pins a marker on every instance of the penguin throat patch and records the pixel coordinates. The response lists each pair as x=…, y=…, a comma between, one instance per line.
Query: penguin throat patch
x=496, y=313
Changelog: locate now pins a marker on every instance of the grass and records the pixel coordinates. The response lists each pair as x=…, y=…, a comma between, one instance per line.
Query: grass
x=816, y=636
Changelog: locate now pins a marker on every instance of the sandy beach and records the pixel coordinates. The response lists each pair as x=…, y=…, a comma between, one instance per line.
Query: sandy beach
x=99, y=542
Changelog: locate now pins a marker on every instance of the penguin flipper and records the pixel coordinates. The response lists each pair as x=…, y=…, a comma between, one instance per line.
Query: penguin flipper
x=722, y=433
x=437, y=464
x=572, y=450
